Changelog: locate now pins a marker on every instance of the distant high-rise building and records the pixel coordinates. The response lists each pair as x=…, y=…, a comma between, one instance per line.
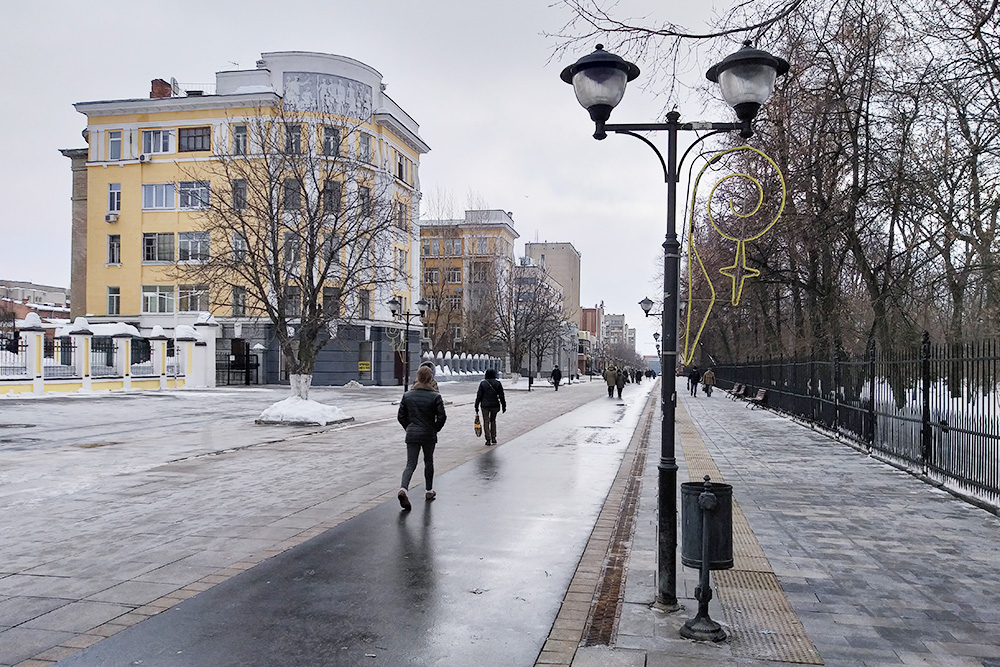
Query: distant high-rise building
x=562, y=262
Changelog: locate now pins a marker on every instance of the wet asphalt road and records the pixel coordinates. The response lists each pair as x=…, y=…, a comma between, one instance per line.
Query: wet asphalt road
x=473, y=578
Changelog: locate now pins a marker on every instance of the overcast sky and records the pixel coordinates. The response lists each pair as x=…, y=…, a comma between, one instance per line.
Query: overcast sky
x=504, y=131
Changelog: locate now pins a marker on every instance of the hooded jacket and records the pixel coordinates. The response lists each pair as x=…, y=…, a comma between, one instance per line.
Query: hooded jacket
x=421, y=413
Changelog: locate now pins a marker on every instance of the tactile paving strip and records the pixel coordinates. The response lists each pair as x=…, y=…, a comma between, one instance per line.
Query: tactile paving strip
x=762, y=623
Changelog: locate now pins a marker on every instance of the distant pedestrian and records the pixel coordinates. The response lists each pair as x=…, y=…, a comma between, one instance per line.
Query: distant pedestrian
x=611, y=377
x=490, y=397
x=421, y=413
x=556, y=377
x=693, y=377
x=621, y=380
x=433, y=382
x=708, y=379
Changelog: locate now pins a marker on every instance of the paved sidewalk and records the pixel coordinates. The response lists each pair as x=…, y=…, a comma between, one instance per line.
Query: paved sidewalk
x=844, y=560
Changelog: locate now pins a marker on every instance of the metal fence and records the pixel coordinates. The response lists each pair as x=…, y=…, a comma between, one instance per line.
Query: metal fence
x=59, y=358
x=13, y=358
x=932, y=409
x=102, y=357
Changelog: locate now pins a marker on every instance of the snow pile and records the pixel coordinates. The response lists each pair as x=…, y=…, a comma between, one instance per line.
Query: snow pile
x=301, y=411
x=353, y=384
x=110, y=329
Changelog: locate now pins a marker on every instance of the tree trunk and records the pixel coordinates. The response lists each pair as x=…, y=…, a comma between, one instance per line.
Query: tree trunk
x=300, y=385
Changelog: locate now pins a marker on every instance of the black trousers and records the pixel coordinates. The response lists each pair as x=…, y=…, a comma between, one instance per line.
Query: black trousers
x=490, y=423
x=412, y=451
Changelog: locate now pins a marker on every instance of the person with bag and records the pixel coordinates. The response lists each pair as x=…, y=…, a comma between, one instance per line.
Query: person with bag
x=556, y=377
x=421, y=413
x=490, y=397
x=611, y=377
x=620, y=380
x=708, y=382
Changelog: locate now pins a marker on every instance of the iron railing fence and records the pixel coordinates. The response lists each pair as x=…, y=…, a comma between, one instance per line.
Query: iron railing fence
x=102, y=357
x=59, y=358
x=13, y=358
x=932, y=409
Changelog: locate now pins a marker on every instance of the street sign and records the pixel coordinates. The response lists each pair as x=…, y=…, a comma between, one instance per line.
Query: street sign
x=364, y=366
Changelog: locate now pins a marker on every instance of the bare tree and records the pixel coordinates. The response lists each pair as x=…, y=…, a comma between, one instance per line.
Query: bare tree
x=304, y=229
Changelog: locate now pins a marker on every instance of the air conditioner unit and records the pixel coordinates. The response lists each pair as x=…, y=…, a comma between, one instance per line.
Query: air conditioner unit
x=111, y=217
x=144, y=157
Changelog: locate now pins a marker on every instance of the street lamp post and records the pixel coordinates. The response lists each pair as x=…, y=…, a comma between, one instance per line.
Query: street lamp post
x=747, y=80
x=394, y=306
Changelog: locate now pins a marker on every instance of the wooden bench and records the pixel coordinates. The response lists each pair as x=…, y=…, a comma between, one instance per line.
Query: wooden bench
x=758, y=400
x=736, y=391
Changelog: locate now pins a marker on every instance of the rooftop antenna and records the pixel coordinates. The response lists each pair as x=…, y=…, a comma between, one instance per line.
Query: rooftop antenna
x=175, y=88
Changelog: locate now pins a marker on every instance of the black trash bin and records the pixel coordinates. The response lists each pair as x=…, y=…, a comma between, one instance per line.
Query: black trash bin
x=720, y=526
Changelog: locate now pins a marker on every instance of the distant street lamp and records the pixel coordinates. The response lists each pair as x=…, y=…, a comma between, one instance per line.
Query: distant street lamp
x=394, y=306
x=747, y=80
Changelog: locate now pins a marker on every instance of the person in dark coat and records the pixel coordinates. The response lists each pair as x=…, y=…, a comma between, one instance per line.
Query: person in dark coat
x=421, y=413
x=693, y=378
x=611, y=377
x=620, y=381
x=556, y=377
x=490, y=397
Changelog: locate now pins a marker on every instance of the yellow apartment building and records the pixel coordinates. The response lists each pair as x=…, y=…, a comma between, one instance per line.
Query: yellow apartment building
x=460, y=260
x=151, y=166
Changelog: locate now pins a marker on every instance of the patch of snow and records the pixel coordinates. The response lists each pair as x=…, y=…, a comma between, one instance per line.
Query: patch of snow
x=354, y=384
x=295, y=409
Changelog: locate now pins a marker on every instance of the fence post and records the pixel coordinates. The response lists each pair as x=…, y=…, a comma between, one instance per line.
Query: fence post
x=81, y=344
x=34, y=335
x=837, y=377
x=871, y=394
x=925, y=376
x=123, y=358
x=158, y=356
x=207, y=329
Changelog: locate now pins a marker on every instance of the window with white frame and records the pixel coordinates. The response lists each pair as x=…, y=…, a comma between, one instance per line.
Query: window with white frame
x=114, y=248
x=239, y=301
x=331, y=301
x=331, y=249
x=482, y=245
x=425, y=249
x=239, y=194
x=115, y=145
x=293, y=138
x=239, y=139
x=402, y=261
x=114, y=197
x=157, y=298
x=114, y=300
x=332, y=194
x=453, y=302
x=365, y=304
x=432, y=276
x=432, y=303
x=292, y=253
x=293, y=301
x=194, y=139
x=157, y=247
x=453, y=275
x=192, y=246
x=156, y=141
x=194, y=194
x=331, y=140
x=192, y=298
x=364, y=147
x=400, y=167
x=157, y=196
x=401, y=215
x=239, y=248
x=429, y=330
x=292, y=194
x=365, y=199
x=436, y=247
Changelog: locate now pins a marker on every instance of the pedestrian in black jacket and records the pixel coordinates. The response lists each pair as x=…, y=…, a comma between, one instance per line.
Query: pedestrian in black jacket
x=421, y=413
x=556, y=377
x=490, y=396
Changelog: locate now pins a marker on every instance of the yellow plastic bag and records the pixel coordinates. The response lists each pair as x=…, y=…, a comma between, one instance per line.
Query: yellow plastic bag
x=478, y=426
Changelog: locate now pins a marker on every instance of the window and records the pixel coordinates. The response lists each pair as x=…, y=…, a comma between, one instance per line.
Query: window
x=239, y=194
x=114, y=249
x=480, y=272
x=156, y=141
x=432, y=303
x=293, y=199
x=401, y=215
x=365, y=200
x=482, y=245
x=331, y=140
x=192, y=247
x=157, y=298
x=293, y=301
x=400, y=167
x=453, y=247
x=115, y=145
x=331, y=301
x=365, y=304
x=402, y=261
x=426, y=247
x=331, y=249
x=114, y=301
x=194, y=194
x=332, y=193
x=114, y=197
x=436, y=247
x=365, y=148
x=239, y=301
x=453, y=274
x=158, y=248
x=193, y=298
x=157, y=196
x=194, y=139
x=291, y=252
x=239, y=248
x=429, y=330
x=432, y=276
x=453, y=302
x=293, y=138
x=239, y=139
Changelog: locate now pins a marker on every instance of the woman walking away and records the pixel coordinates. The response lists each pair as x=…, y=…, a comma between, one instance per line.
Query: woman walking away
x=612, y=379
x=433, y=382
x=620, y=381
x=421, y=413
x=490, y=396
x=708, y=379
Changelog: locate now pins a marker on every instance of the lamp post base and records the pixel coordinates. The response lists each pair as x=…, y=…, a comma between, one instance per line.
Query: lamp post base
x=703, y=628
